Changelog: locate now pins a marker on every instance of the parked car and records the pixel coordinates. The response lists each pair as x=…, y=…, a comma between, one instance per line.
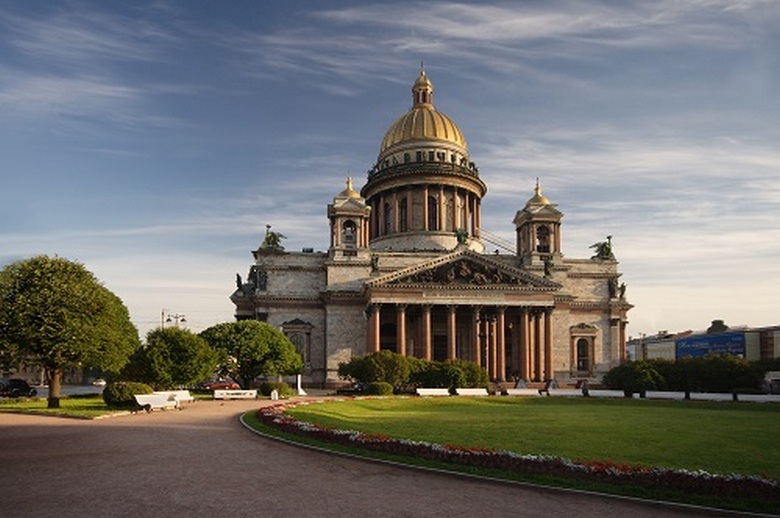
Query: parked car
x=221, y=385
x=15, y=387
x=100, y=382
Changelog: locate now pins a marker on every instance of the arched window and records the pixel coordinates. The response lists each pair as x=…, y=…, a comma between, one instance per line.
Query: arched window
x=433, y=213
x=543, y=239
x=388, y=223
x=402, y=215
x=349, y=233
x=583, y=354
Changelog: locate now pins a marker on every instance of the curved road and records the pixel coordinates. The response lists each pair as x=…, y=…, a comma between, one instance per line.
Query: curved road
x=202, y=462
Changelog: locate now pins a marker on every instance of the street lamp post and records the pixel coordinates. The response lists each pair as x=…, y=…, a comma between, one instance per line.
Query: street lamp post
x=174, y=318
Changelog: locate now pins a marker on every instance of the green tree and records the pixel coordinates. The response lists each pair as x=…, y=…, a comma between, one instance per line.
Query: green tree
x=249, y=349
x=171, y=358
x=55, y=314
x=637, y=376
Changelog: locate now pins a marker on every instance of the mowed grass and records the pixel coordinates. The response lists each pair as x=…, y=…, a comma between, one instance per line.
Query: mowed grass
x=91, y=407
x=716, y=437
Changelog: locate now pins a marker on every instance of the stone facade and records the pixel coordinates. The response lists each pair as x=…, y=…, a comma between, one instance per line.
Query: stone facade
x=405, y=271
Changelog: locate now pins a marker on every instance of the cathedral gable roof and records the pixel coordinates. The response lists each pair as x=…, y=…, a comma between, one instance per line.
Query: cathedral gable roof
x=461, y=270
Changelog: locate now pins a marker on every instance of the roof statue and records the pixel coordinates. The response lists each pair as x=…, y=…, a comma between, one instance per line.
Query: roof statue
x=272, y=241
x=603, y=250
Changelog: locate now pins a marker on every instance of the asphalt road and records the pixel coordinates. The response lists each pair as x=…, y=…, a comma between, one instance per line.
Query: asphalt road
x=202, y=462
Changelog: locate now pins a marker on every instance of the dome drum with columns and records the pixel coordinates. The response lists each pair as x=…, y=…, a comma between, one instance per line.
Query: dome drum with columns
x=424, y=191
x=406, y=271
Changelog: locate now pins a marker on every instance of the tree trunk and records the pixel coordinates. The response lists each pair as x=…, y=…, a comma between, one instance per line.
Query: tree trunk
x=55, y=383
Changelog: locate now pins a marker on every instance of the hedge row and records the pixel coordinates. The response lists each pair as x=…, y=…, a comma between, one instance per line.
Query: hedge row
x=713, y=373
x=403, y=372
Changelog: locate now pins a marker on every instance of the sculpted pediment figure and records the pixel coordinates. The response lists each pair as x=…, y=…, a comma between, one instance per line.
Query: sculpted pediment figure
x=463, y=269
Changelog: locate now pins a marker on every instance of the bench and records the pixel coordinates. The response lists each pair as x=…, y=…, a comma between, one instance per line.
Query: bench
x=471, y=392
x=151, y=402
x=432, y=391
x=235, y=394
x=522, y=392
x=606, y=393
x=760, y=398
x=559, y=392
x=182, y=396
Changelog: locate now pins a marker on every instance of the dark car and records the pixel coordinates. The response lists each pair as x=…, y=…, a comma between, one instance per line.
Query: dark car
x=15, y=387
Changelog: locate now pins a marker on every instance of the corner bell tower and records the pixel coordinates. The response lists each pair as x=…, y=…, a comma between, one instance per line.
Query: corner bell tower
x=538, y=228
x=348, y=216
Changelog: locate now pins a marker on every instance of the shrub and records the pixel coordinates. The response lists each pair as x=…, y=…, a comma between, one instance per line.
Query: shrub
x=711, y=373
x=283, y=389
x=476, y=376
x=380, y=366
x=404, y=371
x=633, y=377
x=379, y=388
x=119, y=394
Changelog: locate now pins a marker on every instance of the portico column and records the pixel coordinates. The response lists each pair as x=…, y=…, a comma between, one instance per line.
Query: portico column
x=401, y=329
x=537, y=349
x=515, y=369
x=525, y=330
x=622, y=356
x=548, y=344
x=492, y=364
x=373, y=328
x=451, y=330
x=426, y=330
x=475, y=351
x=501, y=344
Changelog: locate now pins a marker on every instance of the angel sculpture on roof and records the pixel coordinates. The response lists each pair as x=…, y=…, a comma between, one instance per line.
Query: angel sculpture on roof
x=272, y=240
x=603, y=250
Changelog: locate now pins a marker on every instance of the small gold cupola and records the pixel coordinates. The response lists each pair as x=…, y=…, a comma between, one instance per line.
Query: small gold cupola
x=538, y=229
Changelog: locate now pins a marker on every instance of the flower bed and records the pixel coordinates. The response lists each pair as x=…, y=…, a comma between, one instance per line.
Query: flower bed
x=699, y=481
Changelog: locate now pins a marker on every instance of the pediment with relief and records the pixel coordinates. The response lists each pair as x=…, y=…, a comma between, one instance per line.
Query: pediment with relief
x=464, y=269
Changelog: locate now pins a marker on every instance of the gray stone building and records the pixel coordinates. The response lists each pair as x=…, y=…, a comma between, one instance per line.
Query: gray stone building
x=405, y=271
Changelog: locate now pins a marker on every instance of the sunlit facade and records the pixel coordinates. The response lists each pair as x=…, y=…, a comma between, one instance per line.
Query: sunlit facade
x=406, y=271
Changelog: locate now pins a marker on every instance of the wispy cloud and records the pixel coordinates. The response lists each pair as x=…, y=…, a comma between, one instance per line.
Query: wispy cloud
x=73, y=36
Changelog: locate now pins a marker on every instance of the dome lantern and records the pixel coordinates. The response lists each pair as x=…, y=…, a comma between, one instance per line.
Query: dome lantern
x=422, y=91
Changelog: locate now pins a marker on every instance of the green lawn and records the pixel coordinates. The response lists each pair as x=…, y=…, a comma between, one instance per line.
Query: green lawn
x=716, y=437
x=90, y=407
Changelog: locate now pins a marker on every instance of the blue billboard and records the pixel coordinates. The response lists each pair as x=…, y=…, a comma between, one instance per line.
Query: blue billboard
x=702, y=345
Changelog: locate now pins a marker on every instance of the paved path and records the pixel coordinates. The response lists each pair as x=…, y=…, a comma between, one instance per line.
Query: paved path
x=202, y=462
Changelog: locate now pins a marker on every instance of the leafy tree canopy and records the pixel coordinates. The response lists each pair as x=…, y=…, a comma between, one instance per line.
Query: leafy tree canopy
x=55, y=314
x=171, y=358
x=250, y=349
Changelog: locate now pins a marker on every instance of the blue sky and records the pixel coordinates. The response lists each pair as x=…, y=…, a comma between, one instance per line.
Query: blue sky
x=153, y=141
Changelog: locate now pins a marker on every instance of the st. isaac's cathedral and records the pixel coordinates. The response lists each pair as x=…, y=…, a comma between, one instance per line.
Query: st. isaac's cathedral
x=406, y=271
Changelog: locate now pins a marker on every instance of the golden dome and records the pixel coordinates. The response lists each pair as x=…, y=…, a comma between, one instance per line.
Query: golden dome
x=349, y=192
x=538, y=198
x=422, y=121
